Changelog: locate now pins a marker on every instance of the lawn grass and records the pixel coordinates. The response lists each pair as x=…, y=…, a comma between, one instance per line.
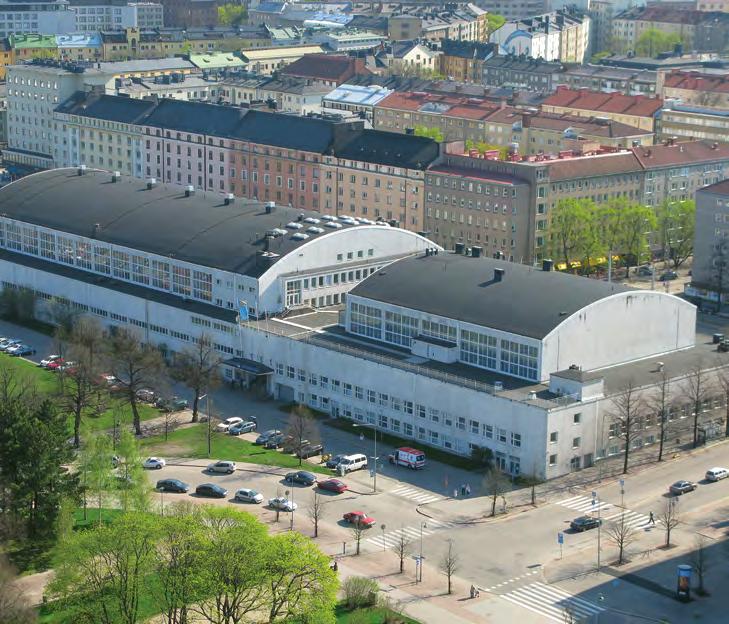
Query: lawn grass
x=192, y=442
x=370, y=615
x=47, y=383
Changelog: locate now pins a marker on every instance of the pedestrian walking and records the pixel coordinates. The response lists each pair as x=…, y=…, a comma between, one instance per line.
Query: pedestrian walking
x=473, y=591
x=463, y=489
x=651, y=518
x=468, y=489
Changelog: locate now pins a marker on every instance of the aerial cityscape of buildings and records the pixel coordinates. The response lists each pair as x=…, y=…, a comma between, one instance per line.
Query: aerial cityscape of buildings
x=483, y=228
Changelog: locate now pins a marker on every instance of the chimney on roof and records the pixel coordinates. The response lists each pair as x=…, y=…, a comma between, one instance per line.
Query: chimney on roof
x=498, y=275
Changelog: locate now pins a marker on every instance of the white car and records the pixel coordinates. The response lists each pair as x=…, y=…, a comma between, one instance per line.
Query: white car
x=246, y=495
x=223, y=467
x=228, y=423
x=46, y=361
x=154, y=463
x=717, y=474
x=282, y=504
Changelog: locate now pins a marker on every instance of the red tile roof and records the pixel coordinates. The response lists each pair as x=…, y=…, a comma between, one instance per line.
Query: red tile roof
x=476, y=174
x=666, y=14
x=681, y=153
x=696, y=81
x=468, y=108
x=599, y=102
x=591, y=166
x=326, y=67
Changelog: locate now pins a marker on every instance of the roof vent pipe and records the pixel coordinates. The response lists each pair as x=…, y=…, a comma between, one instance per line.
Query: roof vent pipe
x=189, y=190
x=229, y=199
x=116, y=176
x=498, y=275
x=81, y=169
x=151, y=183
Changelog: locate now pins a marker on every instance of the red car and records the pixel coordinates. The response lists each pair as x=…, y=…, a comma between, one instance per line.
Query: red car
x=56, y=364
x=333, y=485
x=360, y=518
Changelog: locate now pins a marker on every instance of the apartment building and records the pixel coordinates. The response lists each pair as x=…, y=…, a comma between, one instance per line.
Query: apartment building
x=97, y=15
x=522, y=72
x=464, y=61
x=190, y=13
x=329, y=70
x=695, y=88
x=411, y=58
x=482, y=121
x=465, y=23
x=515, y=9
x=611, y=79
x=355, y=99
x=687, y=122
x=378, y=176
x=53, y=17
x=633, y=110
x=79, y=47
x=265, y=61
x=558, y=36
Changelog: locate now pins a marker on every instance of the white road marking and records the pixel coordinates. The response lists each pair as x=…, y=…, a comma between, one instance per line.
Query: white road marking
x=551, y=602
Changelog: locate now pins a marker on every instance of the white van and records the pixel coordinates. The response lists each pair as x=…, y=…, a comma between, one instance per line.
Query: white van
x=716, y=474
x=353, y=462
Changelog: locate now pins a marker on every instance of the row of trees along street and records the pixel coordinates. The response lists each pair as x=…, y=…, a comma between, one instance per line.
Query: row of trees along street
x=581, y=233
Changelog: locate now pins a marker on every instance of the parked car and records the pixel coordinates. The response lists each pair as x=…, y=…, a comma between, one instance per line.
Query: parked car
x=20, y=350
x=172, y=485
x=55, y=364
x=222, y=467
x=173, y=404
x=309, y=450
x=242, y=427
x=275, y=441
x=292, y=444
x=264, y=437
x=585, y=523
x=47, y=360
x=7, y=343
x=645, y=271
x=282, y=504
x=211, y=490
x=359, y=518
x=332, y=485
x=108, y=381
x=717, y=474
x=246, y=495
x=668, y=276
x=333, y=462
x=301, y=476
x=154, y=463
x=146, y=395
x=67, y=367
x=681, y=487
x=226, y=424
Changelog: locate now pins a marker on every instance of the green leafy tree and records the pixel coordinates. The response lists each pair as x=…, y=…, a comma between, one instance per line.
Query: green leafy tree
x=134, y=491
x=136, y=365
x=571, y=233
x=101, y=573
x=495, y=21
x=33, y=453
x=431, y=133
x=676, y=225
x=232, y=14
x=300, y=585
x=653, y=42
x=638, y=222
x=97, y=470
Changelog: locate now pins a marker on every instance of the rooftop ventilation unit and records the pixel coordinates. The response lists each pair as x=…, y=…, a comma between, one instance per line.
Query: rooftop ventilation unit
x=333, y=225
x=293, y=225
x=299, y=236
x=313, y=220
x=315, y=230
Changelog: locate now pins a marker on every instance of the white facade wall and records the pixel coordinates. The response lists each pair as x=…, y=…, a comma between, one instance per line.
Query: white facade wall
x=622, y=328
x=52, y=18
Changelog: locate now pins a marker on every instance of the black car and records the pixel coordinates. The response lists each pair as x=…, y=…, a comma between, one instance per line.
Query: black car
x=266, y=436
x=302, y=477
x=211, y=490
x=333, y=462
x=668, y=276
x=275, y=441
x=585, y=523
x=309, y=450
x=173, y=404
x=172, y=485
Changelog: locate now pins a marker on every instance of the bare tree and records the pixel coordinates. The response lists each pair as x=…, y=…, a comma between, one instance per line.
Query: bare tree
x=170, y=422
x=402, y=549
x=495, y=484
x=301, y=429
x=14, y=609
x=622, y=534
x=700, y=562
x=358, y=529
x=669, y=518
x=197, y=367
x=316, y=512
x=661, y=405
x=695, y=388
x=723, y=378
x=136, y=365
x=449, y=564
x=629, y=408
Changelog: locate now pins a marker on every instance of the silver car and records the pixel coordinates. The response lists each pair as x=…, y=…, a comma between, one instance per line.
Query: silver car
x=222, y=467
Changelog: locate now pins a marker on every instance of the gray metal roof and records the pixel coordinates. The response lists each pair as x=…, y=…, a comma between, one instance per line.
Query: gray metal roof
x=526, y=302
x=200, y=229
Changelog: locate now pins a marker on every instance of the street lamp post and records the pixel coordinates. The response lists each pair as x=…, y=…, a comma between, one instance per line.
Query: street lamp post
x=374, y=429
x=291, y=520
x=596, y=501
x=382, y=528
x=423, y=525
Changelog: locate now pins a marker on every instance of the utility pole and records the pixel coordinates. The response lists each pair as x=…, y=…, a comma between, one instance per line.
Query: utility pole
x=422, y=526
x=596, y=501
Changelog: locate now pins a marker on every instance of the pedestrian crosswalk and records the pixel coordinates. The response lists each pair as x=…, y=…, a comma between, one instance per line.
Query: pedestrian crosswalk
x=552, y=603
x=419, y=496
x=391, y=539
x=607, y=511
